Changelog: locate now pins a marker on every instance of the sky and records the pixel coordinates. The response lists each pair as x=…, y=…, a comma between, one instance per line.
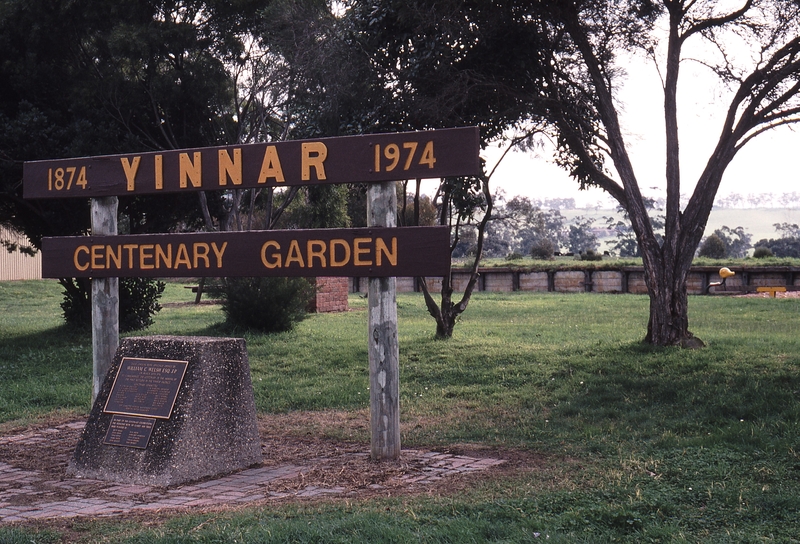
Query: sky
x=767, y=164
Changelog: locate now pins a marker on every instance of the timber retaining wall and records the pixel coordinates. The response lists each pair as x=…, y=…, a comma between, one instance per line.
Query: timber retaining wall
x=629, y=279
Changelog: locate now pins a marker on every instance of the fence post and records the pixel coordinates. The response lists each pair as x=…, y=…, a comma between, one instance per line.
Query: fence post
x=105, y=299
x=384, y=351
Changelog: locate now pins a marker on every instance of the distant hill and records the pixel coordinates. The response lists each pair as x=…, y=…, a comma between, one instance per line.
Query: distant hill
x=756, y=221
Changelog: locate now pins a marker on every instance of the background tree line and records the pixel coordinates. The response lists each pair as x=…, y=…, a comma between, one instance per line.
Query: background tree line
x=91, y=77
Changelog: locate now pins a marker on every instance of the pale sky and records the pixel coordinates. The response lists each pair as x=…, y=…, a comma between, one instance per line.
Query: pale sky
x=767, y=164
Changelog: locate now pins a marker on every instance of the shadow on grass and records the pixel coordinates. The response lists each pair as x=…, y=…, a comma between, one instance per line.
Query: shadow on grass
x=45, y=371
x=638, y=393
x=601, y=398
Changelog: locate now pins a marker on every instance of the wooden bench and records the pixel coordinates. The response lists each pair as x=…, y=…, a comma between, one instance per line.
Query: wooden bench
x=196, y=289
x=771, y=289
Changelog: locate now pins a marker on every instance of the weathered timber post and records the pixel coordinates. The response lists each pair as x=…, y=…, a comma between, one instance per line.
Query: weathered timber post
x=384, y=350
x=105, y=299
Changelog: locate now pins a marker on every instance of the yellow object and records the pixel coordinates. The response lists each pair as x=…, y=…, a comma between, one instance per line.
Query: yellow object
x=726, y=272
x=771, y=290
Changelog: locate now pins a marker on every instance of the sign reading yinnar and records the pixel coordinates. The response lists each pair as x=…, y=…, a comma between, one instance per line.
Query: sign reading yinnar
x=368, y=158
x=364, y=252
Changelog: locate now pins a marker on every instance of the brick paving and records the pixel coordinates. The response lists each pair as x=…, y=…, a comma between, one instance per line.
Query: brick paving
x=28, y=494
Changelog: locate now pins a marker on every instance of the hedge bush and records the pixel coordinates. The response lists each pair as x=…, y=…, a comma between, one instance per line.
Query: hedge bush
x=266, y=304
x=138, y=302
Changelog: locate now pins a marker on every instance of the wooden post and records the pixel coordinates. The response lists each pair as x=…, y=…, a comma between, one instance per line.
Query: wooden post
x=105, y=299
x=384, y=350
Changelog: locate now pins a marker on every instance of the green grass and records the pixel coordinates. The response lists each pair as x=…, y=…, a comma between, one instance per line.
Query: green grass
x=638, y=444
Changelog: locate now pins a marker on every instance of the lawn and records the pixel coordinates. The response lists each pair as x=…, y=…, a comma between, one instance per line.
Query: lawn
x=638, y=444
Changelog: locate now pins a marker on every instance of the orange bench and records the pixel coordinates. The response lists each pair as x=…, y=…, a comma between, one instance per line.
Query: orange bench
x=772, y=289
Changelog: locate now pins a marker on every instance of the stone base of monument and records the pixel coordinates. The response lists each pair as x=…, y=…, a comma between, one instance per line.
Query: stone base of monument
x=171, y=410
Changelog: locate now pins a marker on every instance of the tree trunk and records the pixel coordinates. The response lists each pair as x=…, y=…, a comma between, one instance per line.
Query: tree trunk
x=445, y=326
x=668, y=324
x=446, y=314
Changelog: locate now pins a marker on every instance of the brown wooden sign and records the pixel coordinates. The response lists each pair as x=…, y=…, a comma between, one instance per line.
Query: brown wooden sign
x=369, y=158
x=364, y=252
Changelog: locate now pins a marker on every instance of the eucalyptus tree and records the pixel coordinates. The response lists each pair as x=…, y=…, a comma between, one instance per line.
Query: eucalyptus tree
x=751, y=46
x=560, y=66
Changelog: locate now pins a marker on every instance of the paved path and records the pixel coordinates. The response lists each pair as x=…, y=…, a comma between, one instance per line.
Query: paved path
x=28, y=494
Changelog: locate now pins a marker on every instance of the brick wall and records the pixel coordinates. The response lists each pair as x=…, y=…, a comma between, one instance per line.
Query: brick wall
x=331, y=295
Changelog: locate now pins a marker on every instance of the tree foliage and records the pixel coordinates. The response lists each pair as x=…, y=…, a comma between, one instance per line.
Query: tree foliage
x=787, y=245
x=713, y=247
x=726, y=242
x=433, y=68
x=98, y=78
x=581, y=237
x=736, y=241
x=520, y=225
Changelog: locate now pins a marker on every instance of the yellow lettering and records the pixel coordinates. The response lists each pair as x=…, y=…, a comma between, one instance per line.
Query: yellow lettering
x=110, y=256
x=198, y=254
x=80, y=249
x=230, y=168
x=182, y=257
x=313, y=154
x=218, y=252
x=271, y=166
x=276, y=257
x=294, y=255
x=97, y=257
x=358, y=251
x=381, y=249
x=341, y=243
x=130, y=248
x=159, y=171
x=191, y=170
x=165, y=257
x=320, y=254
x=145, y=253
x=130, y=171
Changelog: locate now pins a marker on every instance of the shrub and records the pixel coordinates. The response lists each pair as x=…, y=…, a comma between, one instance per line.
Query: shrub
x=782, y=247
x=514, y=256
x=543, y=249
x=591, y=255
x=713, y=247
x=138, y=302
x=266, y=304
x=77, y=305
x=762, y=252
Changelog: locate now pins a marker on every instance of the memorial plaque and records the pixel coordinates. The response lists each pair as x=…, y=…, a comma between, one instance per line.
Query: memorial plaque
x=129, y=431
x=212, y=428
x=146, y=387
